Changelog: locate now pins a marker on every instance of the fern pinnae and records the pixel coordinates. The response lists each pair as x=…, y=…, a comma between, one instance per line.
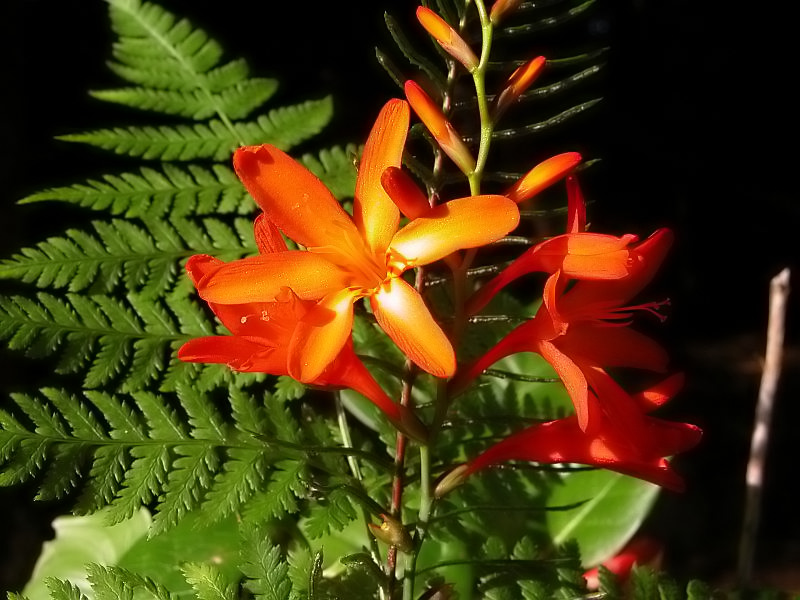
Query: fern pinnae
x=156, y=193
x=549, y=22
x=283, y=127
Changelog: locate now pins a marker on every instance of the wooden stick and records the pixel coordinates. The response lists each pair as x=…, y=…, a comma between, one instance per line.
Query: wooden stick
x=778, y=297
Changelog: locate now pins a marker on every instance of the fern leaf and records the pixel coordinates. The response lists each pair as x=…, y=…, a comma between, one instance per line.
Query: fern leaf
x=144, y=480
x=63, y=590
x=235, y=483
x=286, y=485
x=208, y=582
x=154, y=193
x=265, y=569
x=236, y=102
x=283, y=127
x=115, y=583
x=546, y=22
x=189, y=476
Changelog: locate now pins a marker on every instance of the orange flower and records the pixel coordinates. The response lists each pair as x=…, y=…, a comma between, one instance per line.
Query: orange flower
x=580, y=332
x=447, y=37
x=610, y=447
x=261, y=334
x=441, y=129
x=351, y=258
x=577, y=254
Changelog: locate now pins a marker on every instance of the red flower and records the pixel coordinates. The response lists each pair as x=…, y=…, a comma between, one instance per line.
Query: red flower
x=262, y=333
x=639, y=551
x=351, y=258
x=610, y=446
x=577, y=254
x=582, y=331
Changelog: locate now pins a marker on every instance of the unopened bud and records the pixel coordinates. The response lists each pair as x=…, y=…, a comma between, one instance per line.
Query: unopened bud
x=447, y=37
x=519, y=81
x=501, y=9
x=392, y=532
x=543, y=175
x=441, y=129
x=451, y=481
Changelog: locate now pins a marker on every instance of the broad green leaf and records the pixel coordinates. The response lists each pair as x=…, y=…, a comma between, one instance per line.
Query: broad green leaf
x=161, y=557
x=613, y=507
x=79, y=541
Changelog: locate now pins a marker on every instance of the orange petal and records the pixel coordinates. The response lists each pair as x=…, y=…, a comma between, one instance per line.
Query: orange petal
x=292, y=196
x=374, y=213
x=614, y=347
x=321, y=335
x=543, y=175
x=260, y=278
x=403, y=315
x=576, y=206
x=463, y=223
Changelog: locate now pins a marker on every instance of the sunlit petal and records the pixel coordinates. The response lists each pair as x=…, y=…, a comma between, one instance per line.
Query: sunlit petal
x=447, y=37
x=261, y=278
x=614, y=347
x=401, y=312
x=321, y=335
x=374, y=213
x=292, y=197
x=463, y=223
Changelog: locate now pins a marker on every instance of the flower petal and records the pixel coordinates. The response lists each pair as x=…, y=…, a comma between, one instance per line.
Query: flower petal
x=238, y=352
x=268, y=236
x=463, y=223
x=403, y=315
x=321, y=335
x=261, y=278
x=374, y=213
x=292, y=196
x=613, y=347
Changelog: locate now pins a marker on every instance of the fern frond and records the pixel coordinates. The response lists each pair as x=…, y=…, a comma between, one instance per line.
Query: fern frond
x=155, y=193
x=176, y=67
x=283, y=127
x=142, y=257
x=174, y=454
x=265, y=569
x=236, y=102
x=549, y=22
x=106, y=335
x=336, y=169
x=209, y=582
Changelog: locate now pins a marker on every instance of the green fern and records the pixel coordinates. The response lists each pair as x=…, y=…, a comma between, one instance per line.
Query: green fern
x=178, y=454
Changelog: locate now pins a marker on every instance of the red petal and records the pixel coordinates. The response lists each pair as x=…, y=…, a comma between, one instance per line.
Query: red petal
x=239, y=353
x=268, y=237
x=404, y=192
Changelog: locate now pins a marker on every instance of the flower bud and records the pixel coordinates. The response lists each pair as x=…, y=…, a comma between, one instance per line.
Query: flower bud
x=542, y=176
x=451, y=481
x=519, y=81
x=392, y=532
x=447, y=37
x=441, y=129
x=501, y=9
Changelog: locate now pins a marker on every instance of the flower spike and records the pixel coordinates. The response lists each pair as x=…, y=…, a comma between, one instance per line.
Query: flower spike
x=441, y=129
x=447, y=37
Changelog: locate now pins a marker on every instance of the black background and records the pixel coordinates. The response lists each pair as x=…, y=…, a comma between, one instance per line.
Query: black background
x=697, y=131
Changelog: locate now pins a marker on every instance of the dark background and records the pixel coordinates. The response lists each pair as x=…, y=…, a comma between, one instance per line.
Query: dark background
x=696, y=132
